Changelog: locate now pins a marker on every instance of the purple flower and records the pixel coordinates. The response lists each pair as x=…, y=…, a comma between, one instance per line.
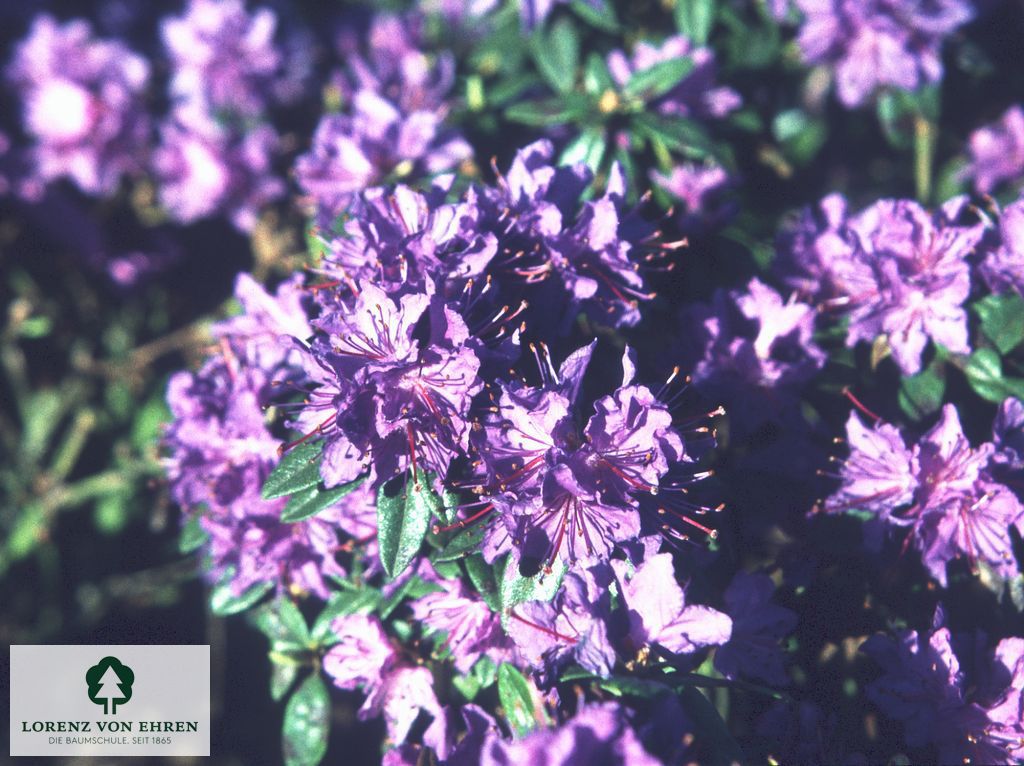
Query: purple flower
x=923, y=687
x=997, y=151
x=757, y=626
x=387, y=401
x=698, y=188
x=694, y=96
x=1008, y=435
x=881, y=473
x=768, y=343
x=942, y=491
x=1003, y=267
x=565, y=493
x=572, y=626
x=84, y=104
x=393, y=127
x=596, y=734
x=472, y=629
x=894, y=270
x=204, y=168
x=364, y=659
x=874, y=44
x=658, y=612
x=268, y=322
x=223, y=58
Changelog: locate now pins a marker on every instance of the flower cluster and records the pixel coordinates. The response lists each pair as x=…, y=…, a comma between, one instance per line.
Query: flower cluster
x=879, y=44
x=893, y=269
x=941, y=489
x=392, y=127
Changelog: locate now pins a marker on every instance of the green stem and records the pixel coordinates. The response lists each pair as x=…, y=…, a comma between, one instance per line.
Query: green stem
x=924, y=151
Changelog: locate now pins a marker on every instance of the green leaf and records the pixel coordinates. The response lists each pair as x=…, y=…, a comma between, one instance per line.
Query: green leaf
x=694, y=18
x=283, y=624
x=298, y=469
x=516, y=697
x=282, y=676
x=572, y=107
x=310, y=501
x=517, y=588
x=587, y=148
x=628, y=686
x=921, y=394
x=684, y=136
x=403, y=519
x=306, y=723
x=596, y=77
x=659, y=79
x=413, y=587
x=481, y=574
x=483, y=674
x=464, y=543
x=192, y=536
x=713, y=737
x=223, y=601
x=597, y=13
x=557, y=54
x=984, y=372
x=1002, y=320
x=343, y=603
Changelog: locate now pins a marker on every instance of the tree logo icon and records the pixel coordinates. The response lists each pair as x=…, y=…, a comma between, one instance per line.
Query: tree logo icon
x=110, y=683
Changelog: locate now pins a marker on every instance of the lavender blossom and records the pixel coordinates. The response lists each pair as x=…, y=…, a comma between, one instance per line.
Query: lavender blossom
x=894, y=270
x=84, y=104
x=997, y=151
x=596, y=734
x=1008, y=435
x=385, y=401
x=572, y=626
x=878, y=44
x=562, y=493
x=659, y=614
x=224, y=59
x=473, y=630
x=364, y=659
x=394, y=126
x=204, y=168
x=757, y=626
x=1003, y=267
x=696, y=95
x=924, y=688
x=220, y=452
x=942, y=491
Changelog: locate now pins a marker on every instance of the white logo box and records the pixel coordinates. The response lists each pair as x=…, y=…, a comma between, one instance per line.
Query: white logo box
x=110, y=700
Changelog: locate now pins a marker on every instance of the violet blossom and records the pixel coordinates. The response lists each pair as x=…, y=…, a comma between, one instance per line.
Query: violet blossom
x=84, y=104
x=658, y=612
x=752, y=650
x=596, y=734
x=224, y=59
x=1003, y=266
x=874, y=44
x=942, y=491
x=384, y=400
x=895, y=270
x=924, y=688
x=393, y=124
x=564, y=493
x=997, y=151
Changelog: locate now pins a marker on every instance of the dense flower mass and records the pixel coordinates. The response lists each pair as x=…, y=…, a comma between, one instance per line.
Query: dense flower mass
x=83, y=104
x=879, y=43
x=893, y=270
x=941, y=489
x=507, y=330
x=967, y=720
x=393, y=126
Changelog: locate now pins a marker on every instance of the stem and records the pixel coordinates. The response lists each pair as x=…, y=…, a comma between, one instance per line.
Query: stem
x=924, y=150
